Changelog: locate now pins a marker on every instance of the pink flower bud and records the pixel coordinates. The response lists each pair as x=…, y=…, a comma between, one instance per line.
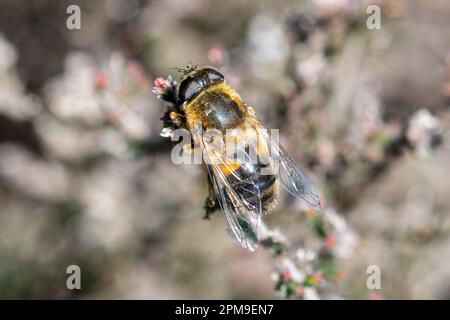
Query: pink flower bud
x=161, y=84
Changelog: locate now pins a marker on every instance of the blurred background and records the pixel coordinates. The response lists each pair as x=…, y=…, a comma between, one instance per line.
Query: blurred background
x=86, y=179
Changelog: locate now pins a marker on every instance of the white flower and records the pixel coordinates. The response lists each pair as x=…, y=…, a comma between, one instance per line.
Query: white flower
x=14, y=102
x=310, y=70
x=267, y=45
x=275, y=276
x=8, y=55
x=310, y=293
x=117, y=91
x=346, y=238
x=166, y=133
x=304, y=255
x=275, y=234
x=289, y=266
x=423, y=127
x=328, y=7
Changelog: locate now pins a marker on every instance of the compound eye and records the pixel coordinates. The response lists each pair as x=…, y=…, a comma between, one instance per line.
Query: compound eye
x=214, y=76
x=188, y=89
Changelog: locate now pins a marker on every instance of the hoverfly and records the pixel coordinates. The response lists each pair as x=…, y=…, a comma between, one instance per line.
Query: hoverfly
x=246, y=188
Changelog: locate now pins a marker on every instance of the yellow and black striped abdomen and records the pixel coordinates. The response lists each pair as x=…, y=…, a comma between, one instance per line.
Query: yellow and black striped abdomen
x=252, y=186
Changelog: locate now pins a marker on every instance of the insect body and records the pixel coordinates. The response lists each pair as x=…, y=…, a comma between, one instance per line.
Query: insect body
x=243, y=182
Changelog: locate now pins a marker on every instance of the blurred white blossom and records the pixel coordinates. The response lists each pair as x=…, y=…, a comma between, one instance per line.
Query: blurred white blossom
x=8, y=55
x=116, y=92
x=267, y=46
x=304, y=255
x=423, y=127
x=345, y=239
x=329, y=7
x=14, y=102
x=74, y=143
x=310, y=69
x=37, y=177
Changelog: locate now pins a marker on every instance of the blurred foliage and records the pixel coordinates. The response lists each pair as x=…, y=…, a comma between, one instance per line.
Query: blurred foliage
x=86, y=179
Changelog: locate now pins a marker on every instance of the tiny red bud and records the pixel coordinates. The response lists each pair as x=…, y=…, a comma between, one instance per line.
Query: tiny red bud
x=160, y=84
x=216, y=54
x=316, y=278
x=331, y=241
x=298, y=290
x=100, y=81
x=374, y=296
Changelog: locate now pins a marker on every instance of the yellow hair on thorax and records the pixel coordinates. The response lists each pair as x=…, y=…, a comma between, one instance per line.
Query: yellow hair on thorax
x=194, y=108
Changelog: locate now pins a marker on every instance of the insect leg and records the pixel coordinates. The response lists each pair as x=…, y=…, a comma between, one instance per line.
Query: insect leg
x=177, y=118
x=210, y=203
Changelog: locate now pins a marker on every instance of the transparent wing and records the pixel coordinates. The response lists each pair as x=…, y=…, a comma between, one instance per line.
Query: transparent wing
x=243, y=223
x=238, y=197
x=290, y=174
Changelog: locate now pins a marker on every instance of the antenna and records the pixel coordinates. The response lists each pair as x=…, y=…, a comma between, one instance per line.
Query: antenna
x=188, y=69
